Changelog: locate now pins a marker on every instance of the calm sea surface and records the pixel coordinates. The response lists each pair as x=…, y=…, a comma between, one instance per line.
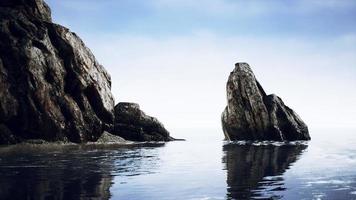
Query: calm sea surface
x=203, y=167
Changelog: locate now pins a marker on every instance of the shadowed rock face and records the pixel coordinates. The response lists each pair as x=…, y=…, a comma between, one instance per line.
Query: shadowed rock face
x=253, y=115
x=133, y=124
x=51, y=86
x=248, y=165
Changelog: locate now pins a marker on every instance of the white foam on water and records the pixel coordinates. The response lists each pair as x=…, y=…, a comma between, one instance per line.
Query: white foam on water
x=266, y=143
x=208, y=198
x=334, y=182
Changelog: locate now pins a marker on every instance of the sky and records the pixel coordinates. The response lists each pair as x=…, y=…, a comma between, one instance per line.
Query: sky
x=173, y=57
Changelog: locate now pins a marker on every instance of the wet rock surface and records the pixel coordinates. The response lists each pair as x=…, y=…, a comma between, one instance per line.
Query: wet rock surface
x=108, y=138
x=251, y=114
x=133, y=124
x=51, y=86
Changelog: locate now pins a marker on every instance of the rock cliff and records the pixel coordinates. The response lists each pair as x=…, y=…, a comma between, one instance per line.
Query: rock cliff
x=51, y=86
x=133, y=124
x=251, y=114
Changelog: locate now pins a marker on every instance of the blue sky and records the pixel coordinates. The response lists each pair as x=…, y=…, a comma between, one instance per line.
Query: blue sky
x=303, y=18
x=173, y=57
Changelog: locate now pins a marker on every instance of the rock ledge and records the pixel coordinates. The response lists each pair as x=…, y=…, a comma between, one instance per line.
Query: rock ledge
x=133, y=124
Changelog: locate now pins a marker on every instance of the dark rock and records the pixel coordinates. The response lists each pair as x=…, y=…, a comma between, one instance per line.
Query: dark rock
x=108, y=138
x=248, y=166
x=51, y=86
x=33, y=8
x=133, y=124
x=6, y=136
x=53, y=89
x=253, y=115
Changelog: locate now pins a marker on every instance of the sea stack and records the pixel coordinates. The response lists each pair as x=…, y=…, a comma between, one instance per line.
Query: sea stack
x=251, y=114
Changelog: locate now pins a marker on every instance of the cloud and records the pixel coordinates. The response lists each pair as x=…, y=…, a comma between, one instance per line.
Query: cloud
x=182, y=80
x=253, y=7
x=85, y=5
x=216, y=8
x=339, y=4
x=182, y=17
x=180, y=76
x=348, y=39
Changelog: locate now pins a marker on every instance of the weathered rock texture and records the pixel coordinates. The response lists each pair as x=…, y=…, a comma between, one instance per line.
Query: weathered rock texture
x=253, y=115
x=51, y=86
x=133, y=124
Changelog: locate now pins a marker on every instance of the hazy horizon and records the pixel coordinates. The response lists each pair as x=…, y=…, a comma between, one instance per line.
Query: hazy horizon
x=174, y=57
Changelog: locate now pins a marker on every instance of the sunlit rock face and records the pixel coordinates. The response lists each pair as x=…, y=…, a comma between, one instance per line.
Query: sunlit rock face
x=255, y=172
x=251, y=114
x=51, y=86
x=131, y=123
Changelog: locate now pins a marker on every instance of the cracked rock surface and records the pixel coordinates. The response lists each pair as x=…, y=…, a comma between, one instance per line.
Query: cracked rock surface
x=251, y=114
x=51, y=86
x=133, y=124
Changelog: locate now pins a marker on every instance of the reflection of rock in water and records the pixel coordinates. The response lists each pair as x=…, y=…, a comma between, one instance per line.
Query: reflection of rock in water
x=68, y=173
x=249, y=169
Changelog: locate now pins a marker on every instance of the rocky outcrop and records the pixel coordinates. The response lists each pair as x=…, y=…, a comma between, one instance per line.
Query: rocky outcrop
x=133, y=124
x=253, y=115
x=51, y=86
x=53, y=89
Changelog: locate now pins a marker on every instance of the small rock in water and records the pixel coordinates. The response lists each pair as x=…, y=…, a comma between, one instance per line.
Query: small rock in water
x=251, y=114
x=133, y=124
x=108, y=138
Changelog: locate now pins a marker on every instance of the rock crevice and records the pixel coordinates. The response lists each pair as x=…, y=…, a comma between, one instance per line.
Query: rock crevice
x=52, y=87
x=251, y=114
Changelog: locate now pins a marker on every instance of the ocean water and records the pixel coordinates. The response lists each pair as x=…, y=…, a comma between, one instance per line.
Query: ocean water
x=203, y=167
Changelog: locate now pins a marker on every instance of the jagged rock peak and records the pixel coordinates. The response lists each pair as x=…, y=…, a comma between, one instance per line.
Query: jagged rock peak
x=51, y=86
x=253, y=115
x=36, y=8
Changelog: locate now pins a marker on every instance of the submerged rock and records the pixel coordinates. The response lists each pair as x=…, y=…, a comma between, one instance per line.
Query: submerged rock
x=253, y=115
x=51, y=86
x=133, y=124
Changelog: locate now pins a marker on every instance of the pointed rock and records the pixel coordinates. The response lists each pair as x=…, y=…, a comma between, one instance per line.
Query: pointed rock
x=253, y=115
